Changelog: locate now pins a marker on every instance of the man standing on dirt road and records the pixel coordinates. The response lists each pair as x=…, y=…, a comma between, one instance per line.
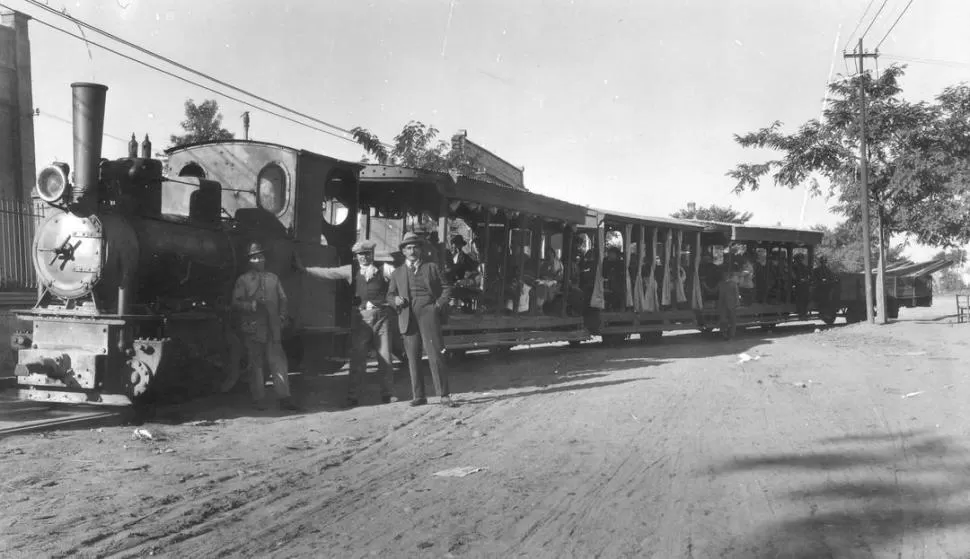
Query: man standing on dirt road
x=420, y=292
x=370, y=319
x=259, y=297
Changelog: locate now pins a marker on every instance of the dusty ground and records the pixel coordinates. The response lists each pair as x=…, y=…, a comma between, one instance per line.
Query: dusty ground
x=849, y=442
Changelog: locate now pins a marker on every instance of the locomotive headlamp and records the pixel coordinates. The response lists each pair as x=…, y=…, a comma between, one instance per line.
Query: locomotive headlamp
x=52, y=183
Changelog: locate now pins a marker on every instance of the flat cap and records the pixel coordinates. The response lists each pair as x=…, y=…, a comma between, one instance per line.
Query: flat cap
x=364, y=246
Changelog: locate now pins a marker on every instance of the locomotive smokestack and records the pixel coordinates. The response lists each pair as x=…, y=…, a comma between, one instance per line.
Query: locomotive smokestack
x=89, y=101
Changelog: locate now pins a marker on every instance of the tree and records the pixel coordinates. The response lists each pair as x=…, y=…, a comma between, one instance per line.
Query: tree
x=950, y=279
x=842, y=247
x=713, y=213
x=918, y=166
x=202, y=123
x=416, y=147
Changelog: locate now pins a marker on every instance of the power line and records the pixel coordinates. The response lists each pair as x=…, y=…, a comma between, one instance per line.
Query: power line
x=181, y=66
x=874, y=18
x=857, y=25
x=187, y=80
x=901, y=14
x=926, y=60
x=38, y=112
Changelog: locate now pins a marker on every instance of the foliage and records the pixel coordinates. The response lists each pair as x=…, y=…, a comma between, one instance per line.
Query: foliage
x=842, y=248
x=202, y=123
x=713, y=213
x=918, y=157
x=950, y=279
x=416, y=146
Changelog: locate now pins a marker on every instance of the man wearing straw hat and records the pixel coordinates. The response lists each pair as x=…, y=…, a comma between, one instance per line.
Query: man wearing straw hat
x=420, y=293
x=370, y=319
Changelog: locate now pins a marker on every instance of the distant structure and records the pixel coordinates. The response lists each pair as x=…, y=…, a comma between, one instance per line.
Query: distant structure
x=492, y=168
x=17, y=164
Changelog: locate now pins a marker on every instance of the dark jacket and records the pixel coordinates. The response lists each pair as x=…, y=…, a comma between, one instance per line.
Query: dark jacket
x=428, y=287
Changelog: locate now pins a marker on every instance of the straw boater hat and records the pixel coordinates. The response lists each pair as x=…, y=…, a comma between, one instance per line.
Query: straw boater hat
x=411, y=238
x=364, y=246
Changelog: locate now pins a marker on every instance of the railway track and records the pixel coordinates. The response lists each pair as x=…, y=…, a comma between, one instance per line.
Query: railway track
x=18, y=417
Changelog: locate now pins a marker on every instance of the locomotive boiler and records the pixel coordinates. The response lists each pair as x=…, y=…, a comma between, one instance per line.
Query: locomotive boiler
x=135, y=273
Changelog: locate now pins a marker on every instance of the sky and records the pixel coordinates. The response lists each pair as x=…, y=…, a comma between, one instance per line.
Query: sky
x=627, y=105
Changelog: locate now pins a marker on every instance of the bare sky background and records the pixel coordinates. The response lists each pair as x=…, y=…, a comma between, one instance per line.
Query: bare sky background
x=619, y=104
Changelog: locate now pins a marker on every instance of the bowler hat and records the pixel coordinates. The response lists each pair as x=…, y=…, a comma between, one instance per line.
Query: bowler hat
x=255, y=248
x=411, y=238
x=458, y=240
x=364, y=246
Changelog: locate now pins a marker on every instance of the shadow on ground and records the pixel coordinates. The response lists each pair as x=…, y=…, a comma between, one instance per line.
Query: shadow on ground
x=547, y=368
x=884, y=495
x=473, y=379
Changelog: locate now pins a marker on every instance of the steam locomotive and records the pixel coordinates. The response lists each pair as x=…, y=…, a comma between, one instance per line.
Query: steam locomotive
x=136, y=262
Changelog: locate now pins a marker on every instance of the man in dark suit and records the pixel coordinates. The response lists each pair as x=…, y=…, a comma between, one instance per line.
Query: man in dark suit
x=420, y=293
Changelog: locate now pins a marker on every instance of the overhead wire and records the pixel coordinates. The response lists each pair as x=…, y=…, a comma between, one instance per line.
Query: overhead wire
x=918, y=60
x=38, y=112
x=857, y=25
x=181, y=66
x=187, y=80
x=874, y=18
x=901, y=14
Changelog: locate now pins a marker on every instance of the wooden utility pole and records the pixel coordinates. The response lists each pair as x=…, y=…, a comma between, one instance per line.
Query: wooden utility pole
x=882, y=311
x=864, y=183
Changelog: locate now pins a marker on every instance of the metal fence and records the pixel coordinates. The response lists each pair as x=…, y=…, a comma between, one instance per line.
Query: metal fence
x=17, y=222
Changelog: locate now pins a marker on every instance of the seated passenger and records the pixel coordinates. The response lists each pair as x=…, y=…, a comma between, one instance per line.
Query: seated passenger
x=461, y=265
x=550, y=278
x=520, y=281
x=614, y=279
x=710, y=275
x=464, y=274
x=747, y=278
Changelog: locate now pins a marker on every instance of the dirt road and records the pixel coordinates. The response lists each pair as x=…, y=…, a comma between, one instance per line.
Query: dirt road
x=848, y=442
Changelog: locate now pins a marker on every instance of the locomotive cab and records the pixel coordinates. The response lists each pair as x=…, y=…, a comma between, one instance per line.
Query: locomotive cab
x=298, y=205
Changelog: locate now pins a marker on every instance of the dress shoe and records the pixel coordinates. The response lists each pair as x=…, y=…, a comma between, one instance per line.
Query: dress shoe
x=289, y=404
x=447, y=402
x=419, y=401
x=389, y=399
x=352, y=402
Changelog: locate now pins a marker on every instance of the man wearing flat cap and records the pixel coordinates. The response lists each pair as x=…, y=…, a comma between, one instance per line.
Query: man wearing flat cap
x=420, y=293
x=369, y=319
